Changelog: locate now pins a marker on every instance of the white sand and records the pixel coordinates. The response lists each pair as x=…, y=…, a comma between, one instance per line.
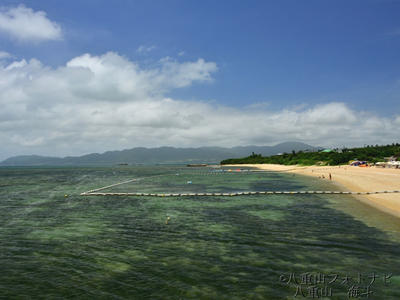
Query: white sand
x=355, y=179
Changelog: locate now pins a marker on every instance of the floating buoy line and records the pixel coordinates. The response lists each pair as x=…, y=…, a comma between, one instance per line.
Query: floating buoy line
x=97, y=192
x=234, y=194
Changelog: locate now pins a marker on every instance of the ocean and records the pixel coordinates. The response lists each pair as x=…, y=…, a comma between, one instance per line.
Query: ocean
x=57, y=244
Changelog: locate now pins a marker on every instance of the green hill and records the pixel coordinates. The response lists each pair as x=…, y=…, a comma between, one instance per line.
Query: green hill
x=371, y=154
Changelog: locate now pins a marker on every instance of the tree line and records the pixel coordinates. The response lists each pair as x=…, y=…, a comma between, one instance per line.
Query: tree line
x=369, y=153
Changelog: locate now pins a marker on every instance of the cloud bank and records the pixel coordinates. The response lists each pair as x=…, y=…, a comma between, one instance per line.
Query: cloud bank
x=108, y=102
x=26, y=25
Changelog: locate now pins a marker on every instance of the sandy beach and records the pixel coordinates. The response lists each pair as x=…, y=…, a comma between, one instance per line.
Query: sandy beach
x=355, y=179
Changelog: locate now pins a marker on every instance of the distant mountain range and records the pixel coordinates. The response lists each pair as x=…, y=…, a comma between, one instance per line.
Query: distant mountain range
x=162, y=155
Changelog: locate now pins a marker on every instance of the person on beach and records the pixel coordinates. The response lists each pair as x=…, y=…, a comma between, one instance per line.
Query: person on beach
x=330, y=176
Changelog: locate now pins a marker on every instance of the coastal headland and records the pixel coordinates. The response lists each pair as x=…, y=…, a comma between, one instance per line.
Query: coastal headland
x=351, y=178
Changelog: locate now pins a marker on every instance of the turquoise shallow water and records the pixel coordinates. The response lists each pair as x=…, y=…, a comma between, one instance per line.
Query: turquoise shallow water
x=246, y=247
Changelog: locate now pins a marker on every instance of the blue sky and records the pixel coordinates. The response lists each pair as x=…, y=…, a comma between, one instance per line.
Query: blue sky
x=282, y=52
x=279, y=55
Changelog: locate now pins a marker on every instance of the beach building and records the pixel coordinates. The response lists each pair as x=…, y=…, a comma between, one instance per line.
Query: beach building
x=390, y=159
x=390, y=162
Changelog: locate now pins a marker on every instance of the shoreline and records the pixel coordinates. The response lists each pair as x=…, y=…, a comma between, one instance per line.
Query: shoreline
x=355, y=179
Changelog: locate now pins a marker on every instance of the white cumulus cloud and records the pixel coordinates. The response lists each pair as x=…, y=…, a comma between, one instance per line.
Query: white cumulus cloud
x=24, y=24
x=4, y=54
x=107, y=102
x=145, y=49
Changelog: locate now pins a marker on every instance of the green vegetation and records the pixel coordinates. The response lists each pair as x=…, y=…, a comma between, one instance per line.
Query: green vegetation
x=371, y=154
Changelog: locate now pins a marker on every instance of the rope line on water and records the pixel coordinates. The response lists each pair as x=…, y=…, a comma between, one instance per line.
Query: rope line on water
x=224, y=172
x=96, y=192
x=119, y=183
